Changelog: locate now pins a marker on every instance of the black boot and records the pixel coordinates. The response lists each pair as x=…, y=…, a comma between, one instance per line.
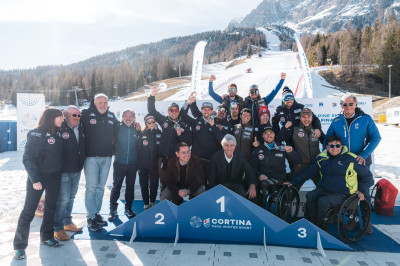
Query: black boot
x=100, y=220
x=129, y=213
x=113, y=214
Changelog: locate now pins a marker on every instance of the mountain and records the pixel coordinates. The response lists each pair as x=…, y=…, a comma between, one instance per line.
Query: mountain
x=320, y=15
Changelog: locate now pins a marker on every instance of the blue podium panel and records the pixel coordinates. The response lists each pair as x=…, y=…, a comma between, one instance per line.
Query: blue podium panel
x=304, y=234
x=158, y=221
x=221, y=214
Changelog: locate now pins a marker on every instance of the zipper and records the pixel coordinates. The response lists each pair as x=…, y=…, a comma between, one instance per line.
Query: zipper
x=347, y=129
x=129, y=144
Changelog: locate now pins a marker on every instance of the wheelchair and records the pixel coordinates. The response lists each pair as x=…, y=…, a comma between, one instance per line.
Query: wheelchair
x=283, y=201
x=351, y=211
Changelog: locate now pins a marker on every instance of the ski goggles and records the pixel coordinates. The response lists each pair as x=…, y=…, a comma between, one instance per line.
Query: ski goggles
x=349, y=104
x=232, y=89
x=221, y=109
x=289, y=98
x=337, y=146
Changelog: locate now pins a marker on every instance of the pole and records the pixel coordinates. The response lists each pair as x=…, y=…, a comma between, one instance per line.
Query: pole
x=179, y=66
x=390, y=81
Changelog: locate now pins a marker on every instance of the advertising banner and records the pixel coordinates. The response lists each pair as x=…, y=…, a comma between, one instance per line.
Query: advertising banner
x=29, y=108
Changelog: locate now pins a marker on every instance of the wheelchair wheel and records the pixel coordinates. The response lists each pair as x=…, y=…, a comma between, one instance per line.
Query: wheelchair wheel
x=330, y=217
x=353, y=218
x=288, y=204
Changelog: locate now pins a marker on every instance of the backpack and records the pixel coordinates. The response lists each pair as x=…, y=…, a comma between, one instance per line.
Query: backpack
x=384, y=197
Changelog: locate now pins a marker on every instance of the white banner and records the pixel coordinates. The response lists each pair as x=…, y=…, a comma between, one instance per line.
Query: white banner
x=197, y=66
x=29, y=109
x=304, y=64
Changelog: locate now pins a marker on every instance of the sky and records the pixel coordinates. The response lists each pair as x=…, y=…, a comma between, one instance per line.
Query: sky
x=54, y=32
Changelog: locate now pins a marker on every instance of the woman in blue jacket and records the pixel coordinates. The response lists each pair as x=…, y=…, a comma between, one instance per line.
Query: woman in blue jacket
x=42, y=160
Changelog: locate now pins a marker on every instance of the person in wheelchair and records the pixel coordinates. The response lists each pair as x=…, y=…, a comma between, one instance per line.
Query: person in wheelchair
x=268, y=162
x=341, y=175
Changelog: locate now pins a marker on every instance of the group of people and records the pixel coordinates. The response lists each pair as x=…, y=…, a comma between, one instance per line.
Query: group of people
x=239, y=146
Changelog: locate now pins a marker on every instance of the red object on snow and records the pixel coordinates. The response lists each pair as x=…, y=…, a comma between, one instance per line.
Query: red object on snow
x=384, y=197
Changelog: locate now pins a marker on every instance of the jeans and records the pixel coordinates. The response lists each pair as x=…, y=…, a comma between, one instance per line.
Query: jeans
x=120, y=172
x=96, y=173
x=146, y=177
x=51, y=185
x=65, y=201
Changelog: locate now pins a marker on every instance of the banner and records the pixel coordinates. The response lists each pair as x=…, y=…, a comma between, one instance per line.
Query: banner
x=197, y=66
x=29, y=109
x=304, y=64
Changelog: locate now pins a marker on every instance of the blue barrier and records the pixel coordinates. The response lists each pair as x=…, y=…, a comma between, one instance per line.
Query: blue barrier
x=8, y=133
x=222, y=215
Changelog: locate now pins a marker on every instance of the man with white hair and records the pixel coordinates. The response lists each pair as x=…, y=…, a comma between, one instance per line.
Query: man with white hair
x=227, y=167
x=74, y=154
x=99, y=125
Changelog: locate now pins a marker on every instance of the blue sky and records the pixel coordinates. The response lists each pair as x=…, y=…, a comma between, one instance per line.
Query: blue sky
x=47, y=32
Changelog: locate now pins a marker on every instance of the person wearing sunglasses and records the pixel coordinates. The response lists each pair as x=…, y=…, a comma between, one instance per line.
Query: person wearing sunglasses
x=356, y=129
x=226, y=99
x=341, y=175
x=287, y=115
x=206, y=135
x=173, y=131
x=125, y=164
x=245, y=135
x=221, y=120
x=148, y=146
x=358, y=132
x=74, y=154
x=254, y=101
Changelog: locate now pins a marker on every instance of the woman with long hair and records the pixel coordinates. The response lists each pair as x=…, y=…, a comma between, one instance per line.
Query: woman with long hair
x=149, y=142
x=42, y=160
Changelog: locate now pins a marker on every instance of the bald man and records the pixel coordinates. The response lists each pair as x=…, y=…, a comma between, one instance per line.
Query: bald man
x=74, y=154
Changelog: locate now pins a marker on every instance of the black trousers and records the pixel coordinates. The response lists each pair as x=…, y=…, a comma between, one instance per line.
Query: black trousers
x=318, y=202
x=51, y=186
x=148, y=178
x=120, y=172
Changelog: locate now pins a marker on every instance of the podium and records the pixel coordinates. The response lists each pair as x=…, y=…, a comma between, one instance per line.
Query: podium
x=220, y=214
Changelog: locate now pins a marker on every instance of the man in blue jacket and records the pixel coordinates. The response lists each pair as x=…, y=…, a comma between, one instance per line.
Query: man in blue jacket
x=99, y=125
x=74, y=154
x=356, y=129
x=125, y=164
x=341, y=176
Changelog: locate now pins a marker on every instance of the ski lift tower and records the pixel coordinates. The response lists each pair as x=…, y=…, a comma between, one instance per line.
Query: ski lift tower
x=76, y=89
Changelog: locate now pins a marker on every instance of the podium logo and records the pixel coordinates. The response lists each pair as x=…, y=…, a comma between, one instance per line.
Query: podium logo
x=195, y=221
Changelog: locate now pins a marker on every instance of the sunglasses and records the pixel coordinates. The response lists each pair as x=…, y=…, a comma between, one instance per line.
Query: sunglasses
x=337, y=146
x=221, y=109
x=174, y=110
x=349, y=104
x=150, y=122
x=75, y=115
x=254, y=91
x=232, y=90
x=288, y=98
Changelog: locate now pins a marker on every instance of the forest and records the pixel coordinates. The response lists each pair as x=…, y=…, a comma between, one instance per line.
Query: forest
x=122, y=72
x=370, y=50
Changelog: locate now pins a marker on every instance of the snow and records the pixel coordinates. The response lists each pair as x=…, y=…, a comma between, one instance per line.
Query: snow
x=266, y=74
x=320, y=15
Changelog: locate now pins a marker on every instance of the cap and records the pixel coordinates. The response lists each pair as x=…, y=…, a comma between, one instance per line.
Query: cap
x=149, y=116
x=287, y=92
x=264, y=110
x=266, y=128
x=306, y=111
x=246, y=110
x=254, y=87
x=207, y=105
x=173, y=105
x=234, y=105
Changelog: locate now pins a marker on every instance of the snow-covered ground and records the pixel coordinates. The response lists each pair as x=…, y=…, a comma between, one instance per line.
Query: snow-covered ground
x=266, y=74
